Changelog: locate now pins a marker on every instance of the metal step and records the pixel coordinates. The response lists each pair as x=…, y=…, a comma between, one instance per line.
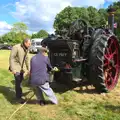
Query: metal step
x=81, y=59
x=77, y=79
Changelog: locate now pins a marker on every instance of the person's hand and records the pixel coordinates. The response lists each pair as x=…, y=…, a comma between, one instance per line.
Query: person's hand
x=55, y=69
x=28, y=73
x=14, y=72
x=46, y=54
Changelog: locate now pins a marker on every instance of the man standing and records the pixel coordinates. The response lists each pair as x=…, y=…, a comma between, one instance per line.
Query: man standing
x=39, y=77
x=18, y=59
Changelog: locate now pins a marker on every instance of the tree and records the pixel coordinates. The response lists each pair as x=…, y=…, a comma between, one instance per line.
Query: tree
x=19, y=27
x=18, y=32
x=34, y=35
x=116, y=6
x=93, y=16
x=1, y=39
x=13, y=37
x=65, y=18
x=9, y=37
x=42, y=34
x=19, y=38
x=103, y=17
x=81, y=12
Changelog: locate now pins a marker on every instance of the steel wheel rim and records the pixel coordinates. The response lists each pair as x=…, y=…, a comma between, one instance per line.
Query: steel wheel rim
x=111, y=63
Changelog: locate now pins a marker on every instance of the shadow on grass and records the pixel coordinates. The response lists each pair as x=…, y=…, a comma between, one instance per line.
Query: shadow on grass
x=8, y=93
x=36, y=102
x=13, y=82
x=33, y=101
x=86, y=89
x=61, y=88
x=115, y=109
x=25, y=83
x=57, y=87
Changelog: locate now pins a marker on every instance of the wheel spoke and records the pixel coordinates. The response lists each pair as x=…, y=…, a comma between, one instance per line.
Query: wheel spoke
x=112, y=41
x=106, y=57
x=108, y=51
x=106, y=64
x=109, y=78
x=111, y=56
x=111, y=63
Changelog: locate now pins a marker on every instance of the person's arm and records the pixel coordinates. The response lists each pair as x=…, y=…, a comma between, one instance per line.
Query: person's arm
x=27, y=62
x=30, y=66
x=49, y=66
x=13, y=55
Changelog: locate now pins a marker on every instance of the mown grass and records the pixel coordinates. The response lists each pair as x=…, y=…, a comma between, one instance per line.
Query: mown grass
x=75, y=104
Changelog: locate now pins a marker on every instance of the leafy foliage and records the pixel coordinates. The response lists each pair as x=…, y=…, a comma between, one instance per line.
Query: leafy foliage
x=64, y=18
x=13, y=37
x=19, y=27
x=95, y=17
x=116, y=6
x=16, y=35
x=34, y=35
x=40, y=34
x=103, y=16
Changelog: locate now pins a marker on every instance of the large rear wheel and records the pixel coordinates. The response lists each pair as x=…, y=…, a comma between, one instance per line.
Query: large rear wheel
x=104, y=62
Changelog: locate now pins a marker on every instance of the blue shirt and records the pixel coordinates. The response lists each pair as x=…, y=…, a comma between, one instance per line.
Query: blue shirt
x=39, y=66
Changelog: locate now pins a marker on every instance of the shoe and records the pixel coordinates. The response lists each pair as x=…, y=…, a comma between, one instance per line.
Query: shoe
x=42, y=102
x=50, y=102
x=21, y=100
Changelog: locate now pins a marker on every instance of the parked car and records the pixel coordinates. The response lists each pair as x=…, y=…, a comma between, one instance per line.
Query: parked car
x=1, y=46
x=35, y=45
x=5, y=47
x=32, y=49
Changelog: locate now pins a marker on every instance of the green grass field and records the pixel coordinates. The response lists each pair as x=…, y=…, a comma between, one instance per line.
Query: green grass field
x=77, y=104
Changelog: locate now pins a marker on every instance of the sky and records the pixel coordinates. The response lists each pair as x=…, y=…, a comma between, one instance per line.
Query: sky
x=39, y=14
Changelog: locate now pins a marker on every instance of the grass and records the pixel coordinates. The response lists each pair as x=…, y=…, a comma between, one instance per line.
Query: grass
x=75, y=104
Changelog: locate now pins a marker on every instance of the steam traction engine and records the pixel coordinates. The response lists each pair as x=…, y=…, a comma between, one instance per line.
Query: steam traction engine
x=83, y=53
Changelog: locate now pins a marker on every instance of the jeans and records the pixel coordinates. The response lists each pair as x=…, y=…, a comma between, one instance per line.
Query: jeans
x=48, y=92
x=18, y=81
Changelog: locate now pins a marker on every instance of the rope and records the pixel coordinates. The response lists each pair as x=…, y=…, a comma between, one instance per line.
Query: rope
x=20, y=107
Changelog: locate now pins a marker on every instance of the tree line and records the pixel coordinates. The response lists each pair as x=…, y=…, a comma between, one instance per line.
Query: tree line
x=94, y=17
x=19, y=32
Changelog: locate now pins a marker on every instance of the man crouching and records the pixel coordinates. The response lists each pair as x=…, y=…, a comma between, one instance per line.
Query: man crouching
x=39, y=77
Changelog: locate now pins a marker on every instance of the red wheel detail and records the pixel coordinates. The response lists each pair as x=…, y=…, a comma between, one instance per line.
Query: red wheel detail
x=111, y=63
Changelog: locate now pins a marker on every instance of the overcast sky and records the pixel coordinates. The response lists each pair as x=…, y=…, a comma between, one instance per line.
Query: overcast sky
x=39, y=14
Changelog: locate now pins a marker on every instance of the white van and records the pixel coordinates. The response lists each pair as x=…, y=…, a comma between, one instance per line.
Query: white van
x=35, y=45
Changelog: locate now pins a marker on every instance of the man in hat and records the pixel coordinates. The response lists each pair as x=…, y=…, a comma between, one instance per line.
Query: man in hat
x=39, y=77
x=18, y=59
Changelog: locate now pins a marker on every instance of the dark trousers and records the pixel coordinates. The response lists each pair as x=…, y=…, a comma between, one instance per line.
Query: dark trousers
x=18, y=81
